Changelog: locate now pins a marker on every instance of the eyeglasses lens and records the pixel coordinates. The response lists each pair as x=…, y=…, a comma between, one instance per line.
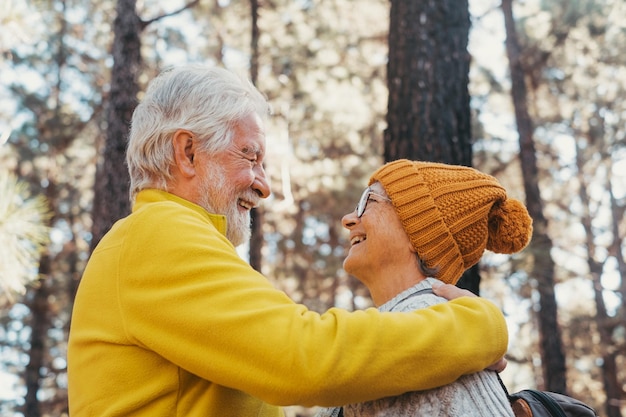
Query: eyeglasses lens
x=360, y=208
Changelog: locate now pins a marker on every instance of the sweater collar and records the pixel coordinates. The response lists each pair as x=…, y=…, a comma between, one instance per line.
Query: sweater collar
x=149, y=196
x=422, y=286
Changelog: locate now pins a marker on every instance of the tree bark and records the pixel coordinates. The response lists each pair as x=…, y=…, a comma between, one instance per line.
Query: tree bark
x=428, y=115
x=39, y=324
x=111, y=200
x=553, y=358
x=617, y=215
x=605, y=325
x=256, y=238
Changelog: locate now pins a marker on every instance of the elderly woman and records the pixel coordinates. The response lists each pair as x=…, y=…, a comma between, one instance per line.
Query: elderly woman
x=417, y=224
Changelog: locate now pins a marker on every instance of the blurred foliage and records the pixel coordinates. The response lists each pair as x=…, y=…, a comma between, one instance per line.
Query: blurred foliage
x=23, y=236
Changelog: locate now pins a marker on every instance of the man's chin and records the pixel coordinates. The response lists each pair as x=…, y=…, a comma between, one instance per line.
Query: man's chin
x=239, y=232
x=238, y=239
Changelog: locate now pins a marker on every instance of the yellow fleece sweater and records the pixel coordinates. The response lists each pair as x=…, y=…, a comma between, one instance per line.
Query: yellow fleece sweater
x=170, y=321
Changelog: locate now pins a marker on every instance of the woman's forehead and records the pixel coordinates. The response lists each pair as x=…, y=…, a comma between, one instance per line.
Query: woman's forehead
x=377, y=187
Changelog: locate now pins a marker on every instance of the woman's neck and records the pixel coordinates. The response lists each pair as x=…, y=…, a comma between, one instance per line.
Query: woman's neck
x=386, y=284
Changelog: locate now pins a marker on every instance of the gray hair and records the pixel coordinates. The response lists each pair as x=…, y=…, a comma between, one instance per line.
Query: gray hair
x=426, y=270
x=208, y=101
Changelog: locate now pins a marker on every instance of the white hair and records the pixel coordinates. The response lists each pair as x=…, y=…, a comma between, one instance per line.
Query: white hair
x=208, y=101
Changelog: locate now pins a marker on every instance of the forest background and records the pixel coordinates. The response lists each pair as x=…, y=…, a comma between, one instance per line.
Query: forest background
x=323, y=66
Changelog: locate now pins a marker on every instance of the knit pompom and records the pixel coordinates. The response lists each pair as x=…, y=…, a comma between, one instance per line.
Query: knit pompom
x=510, y=227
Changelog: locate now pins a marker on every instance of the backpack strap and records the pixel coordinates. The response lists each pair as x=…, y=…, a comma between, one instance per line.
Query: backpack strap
x=521, y=402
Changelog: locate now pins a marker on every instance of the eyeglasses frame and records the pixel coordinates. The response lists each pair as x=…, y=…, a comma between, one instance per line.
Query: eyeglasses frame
x=365, y=197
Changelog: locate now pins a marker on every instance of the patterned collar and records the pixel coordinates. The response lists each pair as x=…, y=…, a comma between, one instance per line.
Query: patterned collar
x=424, y=286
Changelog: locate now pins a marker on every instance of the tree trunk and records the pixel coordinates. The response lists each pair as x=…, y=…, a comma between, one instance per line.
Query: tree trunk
x=605, y=324
x=111, y=200
x=617, y=215
x=256, y=238
x=553, y=358
x=428, y=115
x=39, y=325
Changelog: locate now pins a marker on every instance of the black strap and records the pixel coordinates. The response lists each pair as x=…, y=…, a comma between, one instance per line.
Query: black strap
x=503, y=386
x=552, y=406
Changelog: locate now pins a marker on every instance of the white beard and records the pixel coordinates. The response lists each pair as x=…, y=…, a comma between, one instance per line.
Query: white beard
x=218, y=197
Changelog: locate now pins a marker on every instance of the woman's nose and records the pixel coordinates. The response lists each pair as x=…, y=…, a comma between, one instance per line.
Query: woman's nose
x=349, y=220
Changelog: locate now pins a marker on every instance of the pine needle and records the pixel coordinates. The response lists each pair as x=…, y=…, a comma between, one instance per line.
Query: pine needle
x=23, y=234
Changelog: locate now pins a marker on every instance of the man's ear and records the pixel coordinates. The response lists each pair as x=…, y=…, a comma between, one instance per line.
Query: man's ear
x=184, y=152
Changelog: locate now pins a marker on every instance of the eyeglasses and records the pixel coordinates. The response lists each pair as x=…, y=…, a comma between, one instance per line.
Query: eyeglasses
x=365, y=197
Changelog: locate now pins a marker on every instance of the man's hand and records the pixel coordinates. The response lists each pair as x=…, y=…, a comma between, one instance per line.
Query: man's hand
x=498, y=366
x=450, y=292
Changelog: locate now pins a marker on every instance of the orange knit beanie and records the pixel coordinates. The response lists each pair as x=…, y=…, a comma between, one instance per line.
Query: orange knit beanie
x=453, y=213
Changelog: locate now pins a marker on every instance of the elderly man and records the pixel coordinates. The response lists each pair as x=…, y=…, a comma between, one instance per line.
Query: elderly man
x=170, y=321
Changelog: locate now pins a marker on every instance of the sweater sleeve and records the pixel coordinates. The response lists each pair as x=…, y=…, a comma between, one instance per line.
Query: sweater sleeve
x=184, y=293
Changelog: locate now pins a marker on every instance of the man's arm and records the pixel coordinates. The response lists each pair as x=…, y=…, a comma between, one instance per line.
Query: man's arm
x=450, y=292
x=224, y=322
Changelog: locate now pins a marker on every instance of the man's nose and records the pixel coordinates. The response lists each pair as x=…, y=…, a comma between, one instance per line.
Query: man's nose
x=261, y=183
